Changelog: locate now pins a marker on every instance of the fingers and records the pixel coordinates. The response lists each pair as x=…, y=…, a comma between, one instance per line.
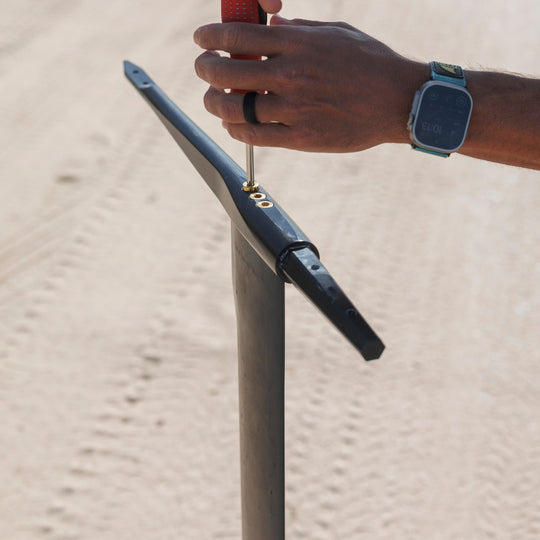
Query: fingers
x=241, y=38
x=229, y=107
x=230, y=73
x=255, y=39
x=269, y=110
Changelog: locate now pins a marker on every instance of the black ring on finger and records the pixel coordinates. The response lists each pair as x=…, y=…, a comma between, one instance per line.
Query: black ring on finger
x=248, y=107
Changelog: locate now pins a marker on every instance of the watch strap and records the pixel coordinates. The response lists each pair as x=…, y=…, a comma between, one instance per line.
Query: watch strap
x=432, y=152
x=447, y=73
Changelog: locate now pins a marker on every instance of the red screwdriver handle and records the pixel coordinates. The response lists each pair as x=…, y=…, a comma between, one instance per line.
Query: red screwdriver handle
x=247, y=11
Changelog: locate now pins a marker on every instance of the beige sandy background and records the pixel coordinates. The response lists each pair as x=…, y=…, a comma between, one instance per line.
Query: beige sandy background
x=118, y=399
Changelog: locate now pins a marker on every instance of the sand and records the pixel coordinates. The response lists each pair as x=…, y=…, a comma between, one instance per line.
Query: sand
x=118, y=384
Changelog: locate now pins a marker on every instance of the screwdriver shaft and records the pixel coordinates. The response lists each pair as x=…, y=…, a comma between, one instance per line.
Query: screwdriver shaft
x=250, y=165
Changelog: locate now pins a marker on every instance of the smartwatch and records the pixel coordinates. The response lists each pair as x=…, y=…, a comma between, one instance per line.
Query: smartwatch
x=441, y=111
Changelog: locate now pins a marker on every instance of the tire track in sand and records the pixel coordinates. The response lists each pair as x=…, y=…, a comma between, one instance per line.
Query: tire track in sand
x=148, y=371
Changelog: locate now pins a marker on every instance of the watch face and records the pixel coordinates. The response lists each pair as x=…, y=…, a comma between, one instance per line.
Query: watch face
x=442, y=116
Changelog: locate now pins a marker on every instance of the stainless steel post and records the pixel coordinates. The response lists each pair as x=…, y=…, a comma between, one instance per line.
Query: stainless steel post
x=259, y=298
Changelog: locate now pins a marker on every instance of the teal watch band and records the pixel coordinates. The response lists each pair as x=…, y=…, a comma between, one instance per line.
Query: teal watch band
x=447, y=73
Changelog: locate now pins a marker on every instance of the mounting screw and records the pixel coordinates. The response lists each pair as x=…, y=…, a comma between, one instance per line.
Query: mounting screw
x=250, y=189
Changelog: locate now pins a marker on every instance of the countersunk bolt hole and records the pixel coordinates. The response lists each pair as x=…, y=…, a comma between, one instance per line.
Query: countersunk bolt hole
x=257, y=196
x=265, y=204
x=315, y=267
x=135, y=71
x=352, y=313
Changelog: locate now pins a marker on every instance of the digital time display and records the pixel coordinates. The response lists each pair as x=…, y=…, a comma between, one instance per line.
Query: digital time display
x=443, y=116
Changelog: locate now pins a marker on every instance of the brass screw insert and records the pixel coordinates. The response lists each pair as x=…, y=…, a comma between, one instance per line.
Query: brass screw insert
x=250, y=189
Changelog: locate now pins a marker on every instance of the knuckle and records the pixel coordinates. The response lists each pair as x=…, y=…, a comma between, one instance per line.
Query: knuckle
x=226, y=109
x=243, y=133
x=219, y=104
x=232, y=36
x=219, y=74
x=211, y=69
x=250, y=135
x=289, y=75
x=293, y=74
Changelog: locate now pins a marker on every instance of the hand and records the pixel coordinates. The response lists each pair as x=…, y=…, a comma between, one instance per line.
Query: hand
x=331, y=88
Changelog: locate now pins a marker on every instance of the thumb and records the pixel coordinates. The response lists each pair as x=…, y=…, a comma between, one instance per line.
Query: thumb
x=270, y=6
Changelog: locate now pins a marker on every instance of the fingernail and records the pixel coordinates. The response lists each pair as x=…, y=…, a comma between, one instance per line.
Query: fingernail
x=197, y=36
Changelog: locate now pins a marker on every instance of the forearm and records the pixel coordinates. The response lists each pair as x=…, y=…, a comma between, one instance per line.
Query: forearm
x=505, y=123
